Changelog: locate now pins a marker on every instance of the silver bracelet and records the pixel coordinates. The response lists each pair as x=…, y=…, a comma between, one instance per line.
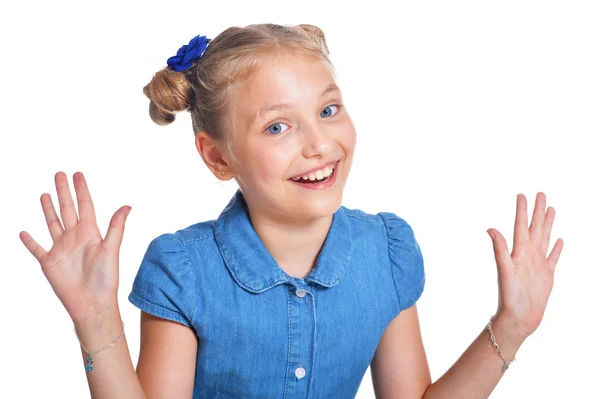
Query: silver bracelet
x=495, y=344
x=88, y=366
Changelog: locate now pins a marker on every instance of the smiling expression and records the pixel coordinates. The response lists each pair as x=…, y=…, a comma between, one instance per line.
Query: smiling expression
x=289, y=121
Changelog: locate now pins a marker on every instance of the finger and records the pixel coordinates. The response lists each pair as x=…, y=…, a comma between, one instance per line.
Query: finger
x=84, y=199
x=503, y=258
x=555, y=254
x=536, y=230
x=36, y=250
x=114, y=235
x=67, y=208
x=548, y=221
x=521, y=236
x=54, y=225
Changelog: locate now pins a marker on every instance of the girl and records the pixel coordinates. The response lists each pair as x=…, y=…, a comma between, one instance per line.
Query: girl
x=287, y=293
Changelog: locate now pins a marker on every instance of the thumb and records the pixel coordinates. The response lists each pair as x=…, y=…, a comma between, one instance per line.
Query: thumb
x=503, y=258
x=114, y=235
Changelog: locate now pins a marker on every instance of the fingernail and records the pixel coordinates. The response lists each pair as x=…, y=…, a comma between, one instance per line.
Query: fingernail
x=127, y=211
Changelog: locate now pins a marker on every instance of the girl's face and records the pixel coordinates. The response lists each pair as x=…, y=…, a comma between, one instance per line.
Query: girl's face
x=288, y=119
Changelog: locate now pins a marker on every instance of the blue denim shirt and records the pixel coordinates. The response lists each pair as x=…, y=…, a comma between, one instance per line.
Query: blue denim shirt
x=265, y=334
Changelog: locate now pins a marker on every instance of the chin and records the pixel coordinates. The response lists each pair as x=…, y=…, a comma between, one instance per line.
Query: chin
x=322, y=207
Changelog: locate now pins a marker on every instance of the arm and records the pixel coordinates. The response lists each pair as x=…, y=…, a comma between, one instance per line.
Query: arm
x=83, y=270
x=479, y=369
x=166, y=365
x=525, y=279
x=400, y=370
x=113, y=375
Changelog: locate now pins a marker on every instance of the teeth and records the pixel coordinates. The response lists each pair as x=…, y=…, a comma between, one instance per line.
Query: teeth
x=318, y=175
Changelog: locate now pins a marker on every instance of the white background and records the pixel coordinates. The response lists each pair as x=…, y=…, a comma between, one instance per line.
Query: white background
x=459, y=106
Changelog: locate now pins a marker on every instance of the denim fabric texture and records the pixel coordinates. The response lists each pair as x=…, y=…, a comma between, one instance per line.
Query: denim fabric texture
x=265, y=334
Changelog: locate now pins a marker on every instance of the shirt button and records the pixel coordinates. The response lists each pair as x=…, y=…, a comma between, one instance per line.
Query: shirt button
x=300, y=372
x=300, y=294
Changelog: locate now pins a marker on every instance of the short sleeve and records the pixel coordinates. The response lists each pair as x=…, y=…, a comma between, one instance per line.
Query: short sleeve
x=164, y=283
x=406, y=260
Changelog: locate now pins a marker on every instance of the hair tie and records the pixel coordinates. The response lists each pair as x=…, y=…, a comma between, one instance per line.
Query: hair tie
x=188, y=54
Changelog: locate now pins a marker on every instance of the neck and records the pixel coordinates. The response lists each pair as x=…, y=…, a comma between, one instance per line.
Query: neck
x=295, y=246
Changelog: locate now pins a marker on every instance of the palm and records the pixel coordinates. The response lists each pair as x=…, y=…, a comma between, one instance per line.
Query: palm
x=76, y=268
x=526, y=275
x=81, y=267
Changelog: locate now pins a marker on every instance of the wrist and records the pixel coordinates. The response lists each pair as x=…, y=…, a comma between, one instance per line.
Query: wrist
x=509, y=328
x=99, y=327
x=96, y=333
x=97, y=314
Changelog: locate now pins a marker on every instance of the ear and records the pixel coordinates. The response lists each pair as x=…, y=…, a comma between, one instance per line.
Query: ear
x=213, y=155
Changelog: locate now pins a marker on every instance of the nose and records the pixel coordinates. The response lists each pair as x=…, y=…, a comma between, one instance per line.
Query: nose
x=317, y=140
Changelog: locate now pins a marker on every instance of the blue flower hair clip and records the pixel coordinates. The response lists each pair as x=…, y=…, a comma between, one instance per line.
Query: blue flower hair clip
x=188, y=54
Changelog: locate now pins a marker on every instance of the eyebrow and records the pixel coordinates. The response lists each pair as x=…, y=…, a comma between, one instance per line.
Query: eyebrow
x=275, y=107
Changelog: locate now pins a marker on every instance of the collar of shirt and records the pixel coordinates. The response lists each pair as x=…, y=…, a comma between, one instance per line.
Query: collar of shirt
x=255, y=269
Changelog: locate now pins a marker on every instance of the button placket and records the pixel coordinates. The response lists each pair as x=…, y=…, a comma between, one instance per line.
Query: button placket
x=301, y=340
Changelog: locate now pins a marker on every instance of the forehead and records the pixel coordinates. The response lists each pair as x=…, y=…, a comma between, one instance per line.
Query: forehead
x=295, y=80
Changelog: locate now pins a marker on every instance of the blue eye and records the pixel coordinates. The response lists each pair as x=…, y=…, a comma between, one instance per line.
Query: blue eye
x=275, y=128
x=330, y=114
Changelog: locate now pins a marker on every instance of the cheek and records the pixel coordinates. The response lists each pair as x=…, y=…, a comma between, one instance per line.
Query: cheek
x=347, y=136
x=271, y=162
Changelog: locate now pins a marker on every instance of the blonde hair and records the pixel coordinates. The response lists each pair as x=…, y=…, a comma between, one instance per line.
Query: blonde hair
x=206, y=88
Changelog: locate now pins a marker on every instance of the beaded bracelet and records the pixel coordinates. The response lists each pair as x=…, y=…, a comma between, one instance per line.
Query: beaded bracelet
x=495, y=344
x=89, y=367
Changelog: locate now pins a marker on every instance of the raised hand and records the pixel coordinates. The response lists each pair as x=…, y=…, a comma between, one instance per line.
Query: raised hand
x=526, y=276
x=81, y=266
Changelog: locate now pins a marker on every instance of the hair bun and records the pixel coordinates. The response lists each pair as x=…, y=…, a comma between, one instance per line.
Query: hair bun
x=316, y=34
x=169, y=92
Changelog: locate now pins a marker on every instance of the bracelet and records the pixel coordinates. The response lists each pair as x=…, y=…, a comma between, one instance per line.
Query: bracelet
x=89, y=367
x=495, y=344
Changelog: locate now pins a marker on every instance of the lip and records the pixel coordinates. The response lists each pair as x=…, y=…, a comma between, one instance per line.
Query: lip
x=318, y=186
x=330, y=164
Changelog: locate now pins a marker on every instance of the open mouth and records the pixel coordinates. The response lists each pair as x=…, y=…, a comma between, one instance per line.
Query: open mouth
x=318, y=179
